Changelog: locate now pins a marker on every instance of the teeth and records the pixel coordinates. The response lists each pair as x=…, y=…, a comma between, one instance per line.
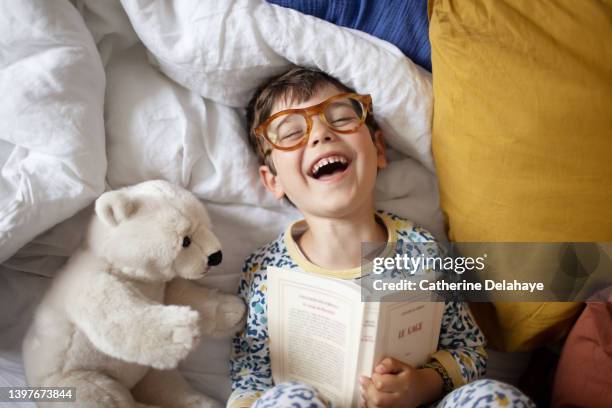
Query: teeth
x=327, y=160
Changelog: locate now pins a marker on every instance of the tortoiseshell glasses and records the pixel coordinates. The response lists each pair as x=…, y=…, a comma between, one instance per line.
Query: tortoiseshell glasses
x=289, y=129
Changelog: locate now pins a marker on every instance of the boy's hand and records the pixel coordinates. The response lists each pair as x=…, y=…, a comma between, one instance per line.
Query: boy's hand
x=395, y=384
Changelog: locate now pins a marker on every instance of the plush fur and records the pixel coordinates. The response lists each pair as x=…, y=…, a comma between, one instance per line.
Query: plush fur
x=124, y=303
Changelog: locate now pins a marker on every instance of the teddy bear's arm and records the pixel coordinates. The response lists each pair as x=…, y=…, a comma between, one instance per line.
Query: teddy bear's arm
x=124, y=324
x=221, y=314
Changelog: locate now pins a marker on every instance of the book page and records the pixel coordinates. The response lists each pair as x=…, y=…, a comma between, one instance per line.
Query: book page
x=314, y=326
x=369, y=333
x=409, y=331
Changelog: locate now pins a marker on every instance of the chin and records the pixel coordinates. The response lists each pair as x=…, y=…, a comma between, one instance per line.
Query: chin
x=337, y=207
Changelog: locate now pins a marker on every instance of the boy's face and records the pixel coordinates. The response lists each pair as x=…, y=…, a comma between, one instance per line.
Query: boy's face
x=339, y=190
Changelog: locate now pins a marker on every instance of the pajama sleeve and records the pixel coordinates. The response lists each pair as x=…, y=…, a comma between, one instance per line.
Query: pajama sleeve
x=250, y=369
x=461, y=345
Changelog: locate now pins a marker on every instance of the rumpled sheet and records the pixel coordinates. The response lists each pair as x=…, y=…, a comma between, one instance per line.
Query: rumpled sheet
x=51, y=110
x=157, y=90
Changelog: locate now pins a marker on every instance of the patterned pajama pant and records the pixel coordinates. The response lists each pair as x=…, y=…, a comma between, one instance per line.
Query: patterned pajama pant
x=478, y=394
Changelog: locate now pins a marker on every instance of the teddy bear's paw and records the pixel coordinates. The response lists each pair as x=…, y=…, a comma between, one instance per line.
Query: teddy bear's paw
x=176, y=334
x=230, y=315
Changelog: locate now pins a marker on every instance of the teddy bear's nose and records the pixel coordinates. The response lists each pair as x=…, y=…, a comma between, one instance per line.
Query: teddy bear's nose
x=215, y=259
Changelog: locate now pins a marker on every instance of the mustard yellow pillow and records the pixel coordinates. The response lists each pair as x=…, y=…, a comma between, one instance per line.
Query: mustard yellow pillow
x=522, y=135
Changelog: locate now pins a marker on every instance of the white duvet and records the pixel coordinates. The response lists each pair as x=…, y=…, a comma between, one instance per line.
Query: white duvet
x=104, y=94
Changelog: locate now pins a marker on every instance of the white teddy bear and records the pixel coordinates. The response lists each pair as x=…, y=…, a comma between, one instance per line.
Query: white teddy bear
x=123, y=303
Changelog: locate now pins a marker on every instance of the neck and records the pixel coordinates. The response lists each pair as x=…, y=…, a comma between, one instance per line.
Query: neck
x=335, y=243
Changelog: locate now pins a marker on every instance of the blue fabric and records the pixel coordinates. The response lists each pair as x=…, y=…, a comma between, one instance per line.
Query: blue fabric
x=478, y=394
x=403, y=23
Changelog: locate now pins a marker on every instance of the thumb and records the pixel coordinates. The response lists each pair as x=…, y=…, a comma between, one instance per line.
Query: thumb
x=391, y=366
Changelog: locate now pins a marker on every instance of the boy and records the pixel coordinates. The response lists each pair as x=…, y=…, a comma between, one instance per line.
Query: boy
x=321, y=149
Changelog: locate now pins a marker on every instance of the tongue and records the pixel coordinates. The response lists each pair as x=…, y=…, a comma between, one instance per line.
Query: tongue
x=332, y=174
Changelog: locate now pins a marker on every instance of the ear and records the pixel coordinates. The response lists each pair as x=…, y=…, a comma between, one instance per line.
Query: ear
x=114, y=207
x=381, y=151
x=271, y=182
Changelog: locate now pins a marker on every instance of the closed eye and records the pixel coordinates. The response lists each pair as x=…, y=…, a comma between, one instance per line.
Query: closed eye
x=341, y=121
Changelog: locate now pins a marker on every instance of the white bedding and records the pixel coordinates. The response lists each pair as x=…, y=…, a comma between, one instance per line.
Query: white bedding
x=52, y=87
x=156, y=88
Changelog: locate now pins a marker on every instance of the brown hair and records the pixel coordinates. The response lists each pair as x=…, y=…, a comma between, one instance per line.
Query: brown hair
x=296, y=85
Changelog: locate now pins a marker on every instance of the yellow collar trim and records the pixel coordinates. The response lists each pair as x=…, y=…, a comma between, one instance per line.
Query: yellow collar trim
x=352, y=273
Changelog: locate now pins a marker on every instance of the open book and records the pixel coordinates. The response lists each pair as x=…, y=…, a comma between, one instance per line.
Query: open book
x=323, y=334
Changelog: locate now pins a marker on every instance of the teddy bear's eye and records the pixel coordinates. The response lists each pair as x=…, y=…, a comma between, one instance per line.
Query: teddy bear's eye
x=186, y=242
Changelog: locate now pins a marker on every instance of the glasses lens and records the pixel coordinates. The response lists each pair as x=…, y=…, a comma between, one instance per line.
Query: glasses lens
x=287, y=130
x=345, y=114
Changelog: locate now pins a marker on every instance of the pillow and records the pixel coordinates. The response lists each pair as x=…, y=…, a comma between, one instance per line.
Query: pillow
x=521, y=136
x=582, y=378
x=224, y=50
x=402, y=23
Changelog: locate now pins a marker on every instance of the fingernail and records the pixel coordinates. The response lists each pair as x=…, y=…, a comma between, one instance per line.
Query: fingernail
x=362, y=380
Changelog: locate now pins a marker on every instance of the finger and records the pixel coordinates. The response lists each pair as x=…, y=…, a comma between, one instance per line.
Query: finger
x=391, y=366
x=364, y=383
x=374, y=398
x=379, y=399
x=390, y=382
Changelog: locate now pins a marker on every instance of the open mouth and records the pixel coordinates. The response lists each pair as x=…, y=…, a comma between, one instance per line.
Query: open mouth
x=329, y=167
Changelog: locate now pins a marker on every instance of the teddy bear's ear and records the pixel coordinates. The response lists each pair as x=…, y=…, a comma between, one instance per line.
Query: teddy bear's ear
x=114, y=207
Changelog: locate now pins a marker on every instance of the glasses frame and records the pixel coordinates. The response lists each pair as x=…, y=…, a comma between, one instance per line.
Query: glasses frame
x=308, y=113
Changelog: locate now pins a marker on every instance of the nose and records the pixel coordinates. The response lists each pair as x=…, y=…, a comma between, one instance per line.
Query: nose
x=320, y=132
x=215, y=259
